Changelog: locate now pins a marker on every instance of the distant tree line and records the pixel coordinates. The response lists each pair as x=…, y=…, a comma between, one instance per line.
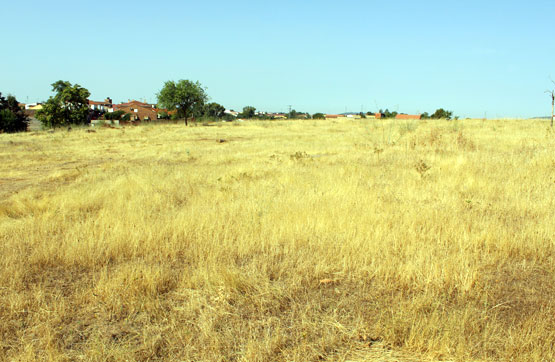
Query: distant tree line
x=184, y=99
x=438, y=114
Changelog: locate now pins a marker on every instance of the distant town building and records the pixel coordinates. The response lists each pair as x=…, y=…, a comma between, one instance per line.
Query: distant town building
x=33, y=106
x=104, y=106
x=231, y=112
x=407, y=116
x=140, y=111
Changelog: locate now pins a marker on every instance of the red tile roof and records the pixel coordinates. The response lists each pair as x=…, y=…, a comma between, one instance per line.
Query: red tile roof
x=407, y=116
x=99, y=103
x=133, y=103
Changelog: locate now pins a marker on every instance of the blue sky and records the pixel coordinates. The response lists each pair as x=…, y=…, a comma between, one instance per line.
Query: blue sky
x=472, y=57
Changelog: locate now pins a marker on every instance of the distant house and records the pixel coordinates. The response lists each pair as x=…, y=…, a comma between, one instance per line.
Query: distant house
x=140, y=111
x=231, y=112
x=379, y=115
x=104, y=106
x=407, y=116
x=333, y=116
x=33, y=106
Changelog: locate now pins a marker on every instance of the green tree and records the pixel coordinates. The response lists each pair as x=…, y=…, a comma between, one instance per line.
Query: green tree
x=248, y=112
x=442, y=113
x=214, y=110
x=184, y=95
x=12, y=117
x=68, y=106
x=424, y=115
x=318, y=116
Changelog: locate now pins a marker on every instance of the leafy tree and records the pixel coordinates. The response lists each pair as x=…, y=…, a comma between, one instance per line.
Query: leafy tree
x=318, y=116
x=362, y=115
x=248, y=112
x=297, y=115
x=68, y=106
x=214, y=110
x=229, y=117
x=184, y=95
x=12, y=117
x=388, y=114
x=424, y=115
x=442, y=113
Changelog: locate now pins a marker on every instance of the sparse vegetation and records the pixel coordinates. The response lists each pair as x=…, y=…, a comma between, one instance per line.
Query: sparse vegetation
x=163, y=243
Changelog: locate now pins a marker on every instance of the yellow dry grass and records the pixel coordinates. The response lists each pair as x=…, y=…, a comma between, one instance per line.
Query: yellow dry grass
x=290, y=241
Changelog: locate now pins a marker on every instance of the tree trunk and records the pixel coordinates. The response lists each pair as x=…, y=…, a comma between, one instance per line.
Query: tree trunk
x=185, y=114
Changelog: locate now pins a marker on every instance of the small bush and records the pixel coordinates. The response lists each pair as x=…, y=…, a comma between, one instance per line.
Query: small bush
x=465, y=142
x=12, y=118
x=422, y=167
x=114, y=116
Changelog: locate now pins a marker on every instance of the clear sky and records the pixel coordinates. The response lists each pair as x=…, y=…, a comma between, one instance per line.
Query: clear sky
x=471, y=57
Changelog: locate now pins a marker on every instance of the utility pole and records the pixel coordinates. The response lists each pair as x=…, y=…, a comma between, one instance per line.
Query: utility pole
x=552, y=94
x=552, y=105
x=289, y=114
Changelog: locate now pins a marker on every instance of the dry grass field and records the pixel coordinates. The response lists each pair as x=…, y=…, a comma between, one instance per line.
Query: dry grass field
x=344, y=240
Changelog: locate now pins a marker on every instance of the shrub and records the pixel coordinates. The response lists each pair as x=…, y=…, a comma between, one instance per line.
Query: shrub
x=114, y=116
x=12, y=118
